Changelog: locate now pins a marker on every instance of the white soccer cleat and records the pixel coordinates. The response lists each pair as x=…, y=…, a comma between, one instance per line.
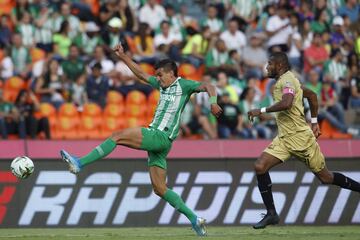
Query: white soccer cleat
x=199, y=227
x=73, y=162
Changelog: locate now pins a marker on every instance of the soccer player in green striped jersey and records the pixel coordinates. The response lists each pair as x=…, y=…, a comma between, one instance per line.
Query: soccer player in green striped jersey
x=158, y=137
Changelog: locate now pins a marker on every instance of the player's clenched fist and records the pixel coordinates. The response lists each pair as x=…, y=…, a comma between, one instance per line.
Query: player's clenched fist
x=216, y=110
x=119, y=50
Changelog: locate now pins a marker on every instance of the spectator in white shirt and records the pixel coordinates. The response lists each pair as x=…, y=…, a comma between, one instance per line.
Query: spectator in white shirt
x=168, y=42
x=254, y=57
x=152, y=14
x=234, y=39
x=278, y=31
x=99, y=57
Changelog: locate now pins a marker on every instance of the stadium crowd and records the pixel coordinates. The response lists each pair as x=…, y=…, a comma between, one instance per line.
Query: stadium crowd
x=53, y=53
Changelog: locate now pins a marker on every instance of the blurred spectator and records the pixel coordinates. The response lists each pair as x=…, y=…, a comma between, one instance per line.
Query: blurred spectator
x=20, y=56
x=175, y=22
x=62, y=41
x=257, y=128
x=268, y=11
x=339, y=35
x=321, y=23
x=169, y=41
x=6, y=66
x=78, y=92
x=9, y=119
x=152, y=13
x=50, y=86
x=278, y=30
x=305, y=11
x=215, y=24
x=336, y=69
x=218, y=59
x=107, y=11
x=21, y=7
x=306, y=34
x=65, y=15
x=230, y=121
x=43, y=32
x=355, y=90
x=99, y=57
x=234, y=39
x=26, y=30
x=125, y=81
x=197, y=122
x=73, y=66
x=5, y=31
x=333, y=111
x=126, y=16
x=314, y=83
x=351, y=9
x=254, y=57
x=89, y=39
x=97, y=86
x=114, y=35
x=295, y=43
x=145, y=47
x=223, y=86
x=197, y=46
x=245, y=9
x=316, y=55
x=27, y=104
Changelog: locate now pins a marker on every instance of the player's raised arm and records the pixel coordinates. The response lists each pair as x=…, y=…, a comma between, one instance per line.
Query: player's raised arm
x=138, y=72
x=211, y=90
x=314, y=106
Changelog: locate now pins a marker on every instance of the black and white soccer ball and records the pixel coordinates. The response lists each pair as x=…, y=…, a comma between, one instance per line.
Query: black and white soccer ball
x=22, y=167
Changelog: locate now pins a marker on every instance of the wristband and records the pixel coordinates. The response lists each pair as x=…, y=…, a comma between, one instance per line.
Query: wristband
x=213, y=100
x=263, y=110
x=314, y=120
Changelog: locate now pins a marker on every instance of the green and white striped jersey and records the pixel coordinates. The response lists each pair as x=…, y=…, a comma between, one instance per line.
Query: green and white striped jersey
x=171, y=104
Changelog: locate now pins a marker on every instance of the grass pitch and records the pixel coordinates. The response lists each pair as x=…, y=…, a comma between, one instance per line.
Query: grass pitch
x=179, y=233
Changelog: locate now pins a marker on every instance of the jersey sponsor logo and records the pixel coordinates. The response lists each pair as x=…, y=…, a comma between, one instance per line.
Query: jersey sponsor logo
x=167, y=97
x=112, y=198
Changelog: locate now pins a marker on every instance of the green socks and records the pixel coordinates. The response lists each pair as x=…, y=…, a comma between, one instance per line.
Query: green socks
x=175, y=200
x=99, y=152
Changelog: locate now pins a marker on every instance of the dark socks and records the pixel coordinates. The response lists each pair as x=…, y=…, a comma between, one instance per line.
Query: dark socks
x=264, y=184
x=345, y=182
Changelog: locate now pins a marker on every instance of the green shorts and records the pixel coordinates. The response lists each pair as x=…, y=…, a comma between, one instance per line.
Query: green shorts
x=157, y=144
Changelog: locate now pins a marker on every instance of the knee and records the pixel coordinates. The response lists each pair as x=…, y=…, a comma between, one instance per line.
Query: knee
x=326, y=178
x=159, y=190
x=259, y=167
x=118, y=135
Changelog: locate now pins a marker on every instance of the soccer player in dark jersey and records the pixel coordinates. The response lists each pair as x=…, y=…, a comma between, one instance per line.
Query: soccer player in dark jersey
x=158, y=137
x=295, y=137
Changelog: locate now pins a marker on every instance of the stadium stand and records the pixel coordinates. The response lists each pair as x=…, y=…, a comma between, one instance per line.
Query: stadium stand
x=205, y=38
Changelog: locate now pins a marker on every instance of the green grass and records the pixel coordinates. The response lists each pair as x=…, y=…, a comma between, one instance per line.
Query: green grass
x=179, y=233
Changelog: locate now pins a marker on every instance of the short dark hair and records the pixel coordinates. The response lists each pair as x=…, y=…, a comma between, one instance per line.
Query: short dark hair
x=282, y=58
x=167, y=65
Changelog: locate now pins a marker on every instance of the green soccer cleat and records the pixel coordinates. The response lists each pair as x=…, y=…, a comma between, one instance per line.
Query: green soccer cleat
x=269, y=219
x=199, y=227
x=72, y=161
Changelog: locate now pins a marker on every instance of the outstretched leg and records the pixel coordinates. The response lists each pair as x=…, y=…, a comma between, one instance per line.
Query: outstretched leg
x=158, y=181
x=338, y=179
x=131, y=137
x=262, y=167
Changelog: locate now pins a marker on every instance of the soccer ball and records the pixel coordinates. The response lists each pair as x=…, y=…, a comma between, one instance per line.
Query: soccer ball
x=22, y=167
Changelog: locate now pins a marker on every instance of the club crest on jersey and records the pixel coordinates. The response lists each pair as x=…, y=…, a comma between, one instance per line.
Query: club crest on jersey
x=166, y=97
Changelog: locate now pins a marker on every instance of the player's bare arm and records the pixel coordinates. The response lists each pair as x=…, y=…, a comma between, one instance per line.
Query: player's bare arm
x=314, y=106
x=138, y=72
x=285, y=104
x=211, y=90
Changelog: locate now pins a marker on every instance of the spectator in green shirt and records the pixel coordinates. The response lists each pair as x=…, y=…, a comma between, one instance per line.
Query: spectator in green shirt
x=313, y=83
x=74, y=66
x=61, y=40
x=321, y=23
